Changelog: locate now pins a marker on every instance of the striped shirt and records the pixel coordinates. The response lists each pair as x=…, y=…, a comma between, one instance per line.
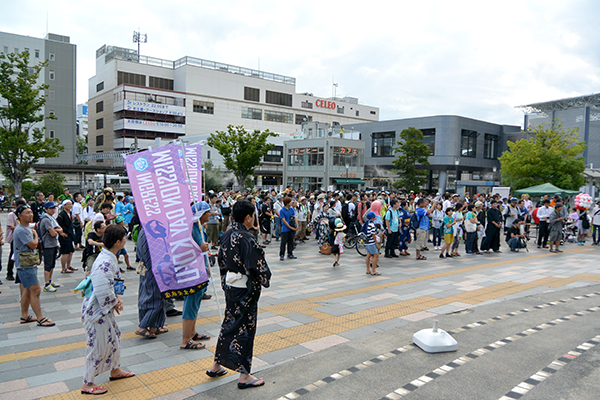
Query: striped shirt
x=371, y=229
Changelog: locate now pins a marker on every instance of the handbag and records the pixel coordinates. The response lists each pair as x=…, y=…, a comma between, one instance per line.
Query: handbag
x=326, y=248
x=29, y=259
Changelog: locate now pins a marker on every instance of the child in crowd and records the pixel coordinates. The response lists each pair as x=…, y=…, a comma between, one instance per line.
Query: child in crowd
x=448, y=232
x=337, y=241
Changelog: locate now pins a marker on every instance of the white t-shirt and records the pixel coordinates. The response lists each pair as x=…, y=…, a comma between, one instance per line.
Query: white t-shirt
x=77, y=210
x=446, y=204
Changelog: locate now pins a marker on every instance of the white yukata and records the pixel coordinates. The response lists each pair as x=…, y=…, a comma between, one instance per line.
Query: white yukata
x=103, y=351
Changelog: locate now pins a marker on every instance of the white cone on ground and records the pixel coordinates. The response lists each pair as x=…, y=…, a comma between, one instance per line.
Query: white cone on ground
x=435, y=340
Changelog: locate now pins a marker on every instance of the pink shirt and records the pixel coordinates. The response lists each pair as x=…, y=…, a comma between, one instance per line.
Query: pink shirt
x=11, y=220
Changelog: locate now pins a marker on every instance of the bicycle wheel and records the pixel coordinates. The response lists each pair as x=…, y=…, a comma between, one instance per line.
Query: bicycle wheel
x=360, y=248
x=350, y=242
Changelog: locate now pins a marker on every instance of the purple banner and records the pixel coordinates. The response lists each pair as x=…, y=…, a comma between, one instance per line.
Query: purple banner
x=159, y=185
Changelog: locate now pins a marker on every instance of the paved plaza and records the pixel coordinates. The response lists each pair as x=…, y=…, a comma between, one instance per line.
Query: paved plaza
x=337, y=333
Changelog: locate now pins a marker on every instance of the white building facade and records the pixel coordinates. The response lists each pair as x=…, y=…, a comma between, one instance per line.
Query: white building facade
x=135, y=99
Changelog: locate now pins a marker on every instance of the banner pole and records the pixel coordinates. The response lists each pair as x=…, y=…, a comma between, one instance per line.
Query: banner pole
x=206, y=262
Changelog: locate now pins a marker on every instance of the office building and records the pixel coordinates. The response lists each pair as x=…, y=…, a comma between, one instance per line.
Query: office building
x=61, y=78
x=134, y=99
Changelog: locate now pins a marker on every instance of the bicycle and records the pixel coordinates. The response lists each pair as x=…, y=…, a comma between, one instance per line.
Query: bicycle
x=361, y=240
x=352, y=236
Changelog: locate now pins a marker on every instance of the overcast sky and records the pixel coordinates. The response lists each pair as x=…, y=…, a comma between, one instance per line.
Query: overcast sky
x=477, y=59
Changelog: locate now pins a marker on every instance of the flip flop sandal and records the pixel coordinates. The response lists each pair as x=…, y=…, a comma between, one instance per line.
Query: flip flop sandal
x=376, y=274
x=141, y=333
x=421, y=258
x=368, y=273
x=150, y=335
x=250, y=384
x=45, y=322
x=123, y=376
x=28, y=319
x=67, y=272
x=220, y=372
x=95, y=391
x=199, y=338
x=193, y=346
x=162, y=330
x=73, y=269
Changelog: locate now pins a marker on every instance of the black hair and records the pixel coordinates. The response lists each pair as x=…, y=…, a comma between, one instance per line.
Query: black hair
x=458, y=206
x=421, y=201
x=76, y=194
x=119, y=197
x=393, y=202
x=403, y=204
x=449, y=209
x=20, y=202
x=557, y=205
x=546, y=201
x=470, y=207
x=241, y=209
x=97, y=225
x=112, y=235
x=212, y=195
x=106, y=204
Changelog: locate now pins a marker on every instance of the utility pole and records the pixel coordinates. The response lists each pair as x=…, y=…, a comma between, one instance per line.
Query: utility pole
x=139, y=38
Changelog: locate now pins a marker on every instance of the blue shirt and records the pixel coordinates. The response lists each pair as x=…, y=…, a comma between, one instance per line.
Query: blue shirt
x=422, y=215
x=119, y=208
x=286, y=214
x=392, y=216
x=127, y=212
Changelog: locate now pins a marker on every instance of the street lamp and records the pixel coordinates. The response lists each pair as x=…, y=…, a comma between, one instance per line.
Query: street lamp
x=494, y=168
x=456, y=162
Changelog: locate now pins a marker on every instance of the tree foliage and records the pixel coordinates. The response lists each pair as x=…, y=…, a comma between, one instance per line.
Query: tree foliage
x=552, y=155
x=21, y=134
x=412, y=152
x=242, y=151
x=52, y=182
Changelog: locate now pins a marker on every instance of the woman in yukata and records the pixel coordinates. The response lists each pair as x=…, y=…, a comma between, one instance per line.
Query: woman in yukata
x=103, y=351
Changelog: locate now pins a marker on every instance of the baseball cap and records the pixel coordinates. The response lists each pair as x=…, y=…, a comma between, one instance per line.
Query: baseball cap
x=49, y=204
x=119, y=219
x=371, y=214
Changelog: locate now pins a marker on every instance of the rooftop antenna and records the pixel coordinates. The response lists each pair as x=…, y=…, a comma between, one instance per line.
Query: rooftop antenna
x=139, y=38
x=334, y=89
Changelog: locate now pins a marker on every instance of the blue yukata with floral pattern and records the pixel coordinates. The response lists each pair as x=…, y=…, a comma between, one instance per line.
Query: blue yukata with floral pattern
x=103, y=350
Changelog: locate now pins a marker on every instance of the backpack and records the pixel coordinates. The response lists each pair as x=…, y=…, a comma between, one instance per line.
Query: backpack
x=135, y=232
x=345, y=212
x=415, y=221
x=585, y=222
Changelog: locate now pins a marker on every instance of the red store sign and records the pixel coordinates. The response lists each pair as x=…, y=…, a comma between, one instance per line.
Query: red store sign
x=325, y=104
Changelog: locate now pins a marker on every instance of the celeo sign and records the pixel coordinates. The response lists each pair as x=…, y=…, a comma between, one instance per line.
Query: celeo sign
x=325, y=104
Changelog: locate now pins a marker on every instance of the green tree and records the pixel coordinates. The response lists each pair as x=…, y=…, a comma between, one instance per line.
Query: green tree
x=212, y=177
x=52, y=182
x=82, y=147
x=551, y=155
x=242, y=151
x=412, y=153
x=22, y=137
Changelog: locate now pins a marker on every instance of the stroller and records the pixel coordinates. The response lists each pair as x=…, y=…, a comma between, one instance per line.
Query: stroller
x=569, y=232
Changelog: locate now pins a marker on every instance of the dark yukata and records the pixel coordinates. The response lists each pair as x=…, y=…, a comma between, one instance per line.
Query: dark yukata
x=492, y=232
x=240, y=253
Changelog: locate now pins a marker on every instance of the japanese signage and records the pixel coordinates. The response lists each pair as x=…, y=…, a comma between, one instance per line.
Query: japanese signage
x=149, y=107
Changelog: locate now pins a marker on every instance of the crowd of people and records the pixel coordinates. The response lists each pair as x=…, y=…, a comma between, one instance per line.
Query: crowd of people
x=239, y=226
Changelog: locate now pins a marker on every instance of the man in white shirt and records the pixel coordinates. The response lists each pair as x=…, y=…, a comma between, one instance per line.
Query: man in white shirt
x=88, y=213
x=276, y=219
x=338, y=203
x=543, y=214
x=77, y=213
x=447, y=203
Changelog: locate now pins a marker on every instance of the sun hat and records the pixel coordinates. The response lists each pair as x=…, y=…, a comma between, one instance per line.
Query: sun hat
x=339, y=226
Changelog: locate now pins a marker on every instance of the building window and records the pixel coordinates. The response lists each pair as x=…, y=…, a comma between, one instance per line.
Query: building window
x=383, y=144
x=5, y=51
x=26, y=50
x=303, y=118
x=251, y=113
x=276, y=116
x=130, y=79
x=100, y=106
x=468, y=143
x=100, y=123
x=429, y=139
x=51, y=113
x=373, y=113
x=100, y=160
x=51, y=75
x=275, y=154
x=208, y=154
x=251, y=94
x=340, y=110
x=490, y=146
x=307, y=104
x=37, y=53
x=281, y=99
x=16, y=50
x=357, y=113
x=343, y=156
x=52, y=57
x=51, y=94
x=100, y=86
x=100, y=140
x=51, y=134
x=204, y=107
x=160, y=83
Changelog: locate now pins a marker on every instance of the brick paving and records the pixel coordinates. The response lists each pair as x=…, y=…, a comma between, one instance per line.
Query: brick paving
x=309, y=307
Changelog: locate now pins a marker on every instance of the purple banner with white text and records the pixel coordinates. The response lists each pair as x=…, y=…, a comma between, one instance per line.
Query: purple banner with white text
x=161, y=190
x=193, y=159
